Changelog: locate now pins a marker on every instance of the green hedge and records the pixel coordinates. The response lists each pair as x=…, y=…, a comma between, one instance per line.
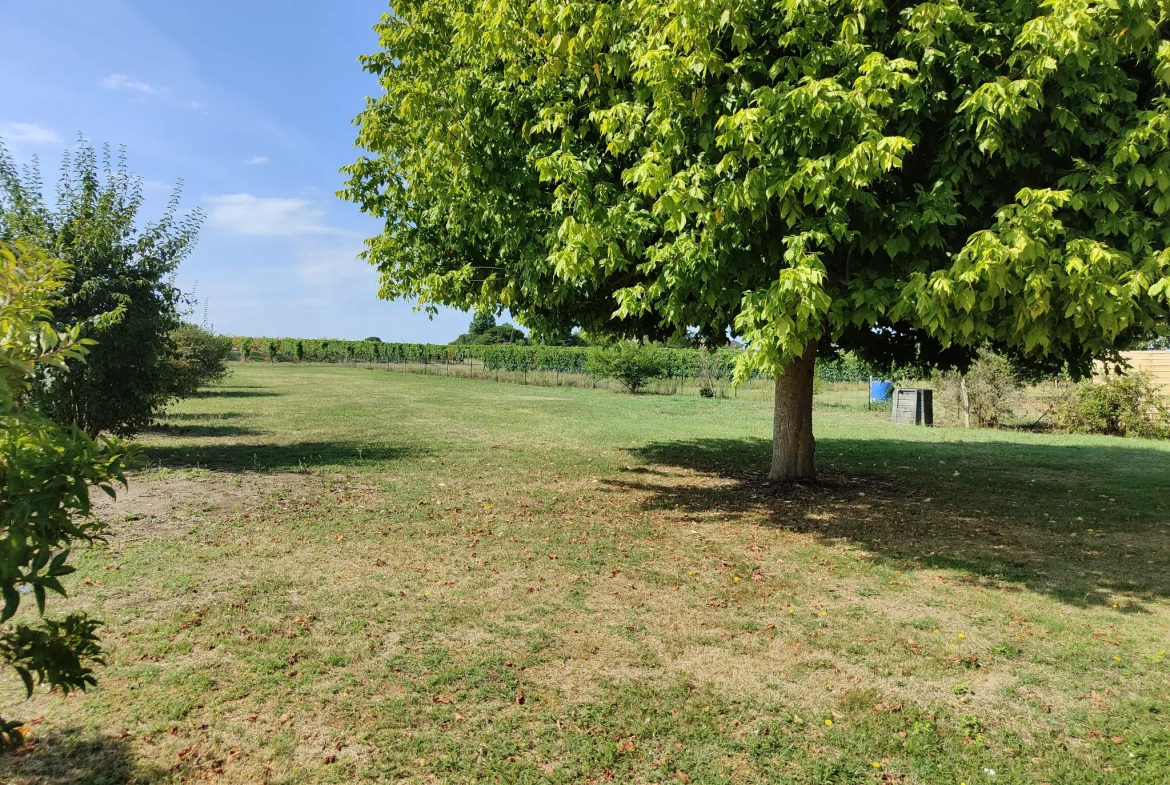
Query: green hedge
x=680, y=363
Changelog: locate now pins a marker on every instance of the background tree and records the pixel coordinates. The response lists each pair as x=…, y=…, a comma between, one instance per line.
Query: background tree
x=46, y=472
x=115, y=263
x=907, y=181
x=484, y=330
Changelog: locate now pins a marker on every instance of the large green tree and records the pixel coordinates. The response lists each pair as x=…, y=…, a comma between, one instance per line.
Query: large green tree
x=907, y=180
x=115, y=262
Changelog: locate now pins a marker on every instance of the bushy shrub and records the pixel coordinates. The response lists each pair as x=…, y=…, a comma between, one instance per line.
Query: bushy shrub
x=115, y=261
x=987, y=394
x=629, y=362
x=200, y=359
x=1121, y=405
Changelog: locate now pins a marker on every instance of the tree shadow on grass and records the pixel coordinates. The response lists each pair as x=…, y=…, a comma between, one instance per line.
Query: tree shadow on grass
x=176, y=417
x=297, y=456
x=76, y=757
x=239, y=393
x=1081, y=523
x=202, y=430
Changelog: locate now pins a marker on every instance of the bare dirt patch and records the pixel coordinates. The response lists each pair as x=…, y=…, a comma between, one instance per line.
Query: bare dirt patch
x=165, y=504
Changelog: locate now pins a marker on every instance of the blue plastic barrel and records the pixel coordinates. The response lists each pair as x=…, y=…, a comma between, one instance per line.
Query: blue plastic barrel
x=880, y=392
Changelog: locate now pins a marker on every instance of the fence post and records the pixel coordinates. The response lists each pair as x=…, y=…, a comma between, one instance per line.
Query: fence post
x=966, y=402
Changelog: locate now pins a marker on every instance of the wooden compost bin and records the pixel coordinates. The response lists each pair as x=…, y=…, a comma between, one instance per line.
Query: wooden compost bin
x=913, y=406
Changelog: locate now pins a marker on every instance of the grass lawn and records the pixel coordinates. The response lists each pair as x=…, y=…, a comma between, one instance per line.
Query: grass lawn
x=343, y=575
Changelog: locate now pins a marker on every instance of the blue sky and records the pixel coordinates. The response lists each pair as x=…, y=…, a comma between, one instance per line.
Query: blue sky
x=250, y=103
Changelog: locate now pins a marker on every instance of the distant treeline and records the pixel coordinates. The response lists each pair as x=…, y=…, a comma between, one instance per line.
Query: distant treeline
x=679, y=363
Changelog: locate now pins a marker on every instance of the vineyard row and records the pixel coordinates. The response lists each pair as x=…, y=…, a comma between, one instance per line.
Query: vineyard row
x=677, y=363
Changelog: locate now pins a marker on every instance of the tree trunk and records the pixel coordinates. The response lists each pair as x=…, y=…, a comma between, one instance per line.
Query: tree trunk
x=793, y=445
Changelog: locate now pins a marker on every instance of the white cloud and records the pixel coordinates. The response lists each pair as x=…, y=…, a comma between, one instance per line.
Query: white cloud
x=123, y=82
x=266, y=217
x=256, y=159
x=324, y=263
x=28, y=132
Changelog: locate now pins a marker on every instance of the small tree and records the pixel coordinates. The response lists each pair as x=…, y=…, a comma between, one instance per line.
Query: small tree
x=200, y=359
x=706, y=370
x=629, y=362
x=987, y=393
x=115, y=262
x=46, y=472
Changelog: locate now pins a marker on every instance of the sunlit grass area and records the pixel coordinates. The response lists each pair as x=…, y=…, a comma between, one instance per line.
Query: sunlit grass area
x=348, y=575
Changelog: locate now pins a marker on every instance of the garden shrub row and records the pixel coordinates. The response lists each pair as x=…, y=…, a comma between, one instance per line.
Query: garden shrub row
x=678, y=363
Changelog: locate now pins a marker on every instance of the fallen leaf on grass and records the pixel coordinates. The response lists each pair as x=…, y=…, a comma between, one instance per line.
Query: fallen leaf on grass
x=681, y=777
x=440, y=699
x=625, y=746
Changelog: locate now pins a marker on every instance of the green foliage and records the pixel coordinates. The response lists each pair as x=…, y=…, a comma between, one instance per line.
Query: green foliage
x=46, y=472
x=916, y=180
x=1120, y=405
x=629, y=362
x=678, y=363
x=988, y=392
x=845, y=367
x=115, y=263
x=200, y=359
x=484, y=330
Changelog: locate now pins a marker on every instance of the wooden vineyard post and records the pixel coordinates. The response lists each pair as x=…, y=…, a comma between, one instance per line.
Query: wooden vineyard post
x=966, y=402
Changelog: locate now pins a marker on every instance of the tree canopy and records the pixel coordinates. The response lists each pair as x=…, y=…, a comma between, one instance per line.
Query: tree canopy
x=910, y=181
x=484, y=330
